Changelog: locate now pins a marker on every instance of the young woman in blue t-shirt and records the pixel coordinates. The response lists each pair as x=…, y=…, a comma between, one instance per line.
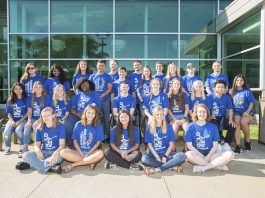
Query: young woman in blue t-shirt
x=172, y=72
x=160, y=139
x=124, y=143
x=49, y=141
x=81, y=71
x=87, y=137
x=202, y=138
x=30, y=77
x=243, y=101
x=16, y=110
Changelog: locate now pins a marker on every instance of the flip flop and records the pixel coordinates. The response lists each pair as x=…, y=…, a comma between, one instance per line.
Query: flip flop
x=22, y=166
x=177, y=169
x=147, y=171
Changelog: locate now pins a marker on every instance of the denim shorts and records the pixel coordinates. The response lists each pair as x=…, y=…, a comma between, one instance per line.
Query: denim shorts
x=236, y=113
x=204, y=152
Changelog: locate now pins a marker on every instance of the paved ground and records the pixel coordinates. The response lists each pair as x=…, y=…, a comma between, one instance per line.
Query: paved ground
x=246, y=178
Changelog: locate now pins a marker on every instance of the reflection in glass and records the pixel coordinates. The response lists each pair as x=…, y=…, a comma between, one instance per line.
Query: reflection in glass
x=18, y=68
x=3, y=77
x=28, y=46
x=3, y=53
x=224, y=3
x=198, y=46
x=198, y=16
x=84, y=16
x=28, y=16
x=81, y=46
x=146, y=16
x=3, y=96
x=146, y=46
x=243, y=36
x=3, y=22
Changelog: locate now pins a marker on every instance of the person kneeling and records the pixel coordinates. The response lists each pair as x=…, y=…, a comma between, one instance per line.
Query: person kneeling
x=87, y=137
x=202, y=139
x=160, y=138
x=124, y=144
x=49, y=141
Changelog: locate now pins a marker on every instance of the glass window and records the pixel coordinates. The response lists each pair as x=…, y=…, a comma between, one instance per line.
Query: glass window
x=83, y=16
x=28, y=16
x=3, y=54
x=3, y=98
x=247, y=64
x=3, y=76
x=146, y=16
x=3, y=22
x=203, y=12
x=146, y=46
x=224, y=3
x=28, y=46
x=198, y=46
x=81, y=46
x=243, y=36
x=18, y=68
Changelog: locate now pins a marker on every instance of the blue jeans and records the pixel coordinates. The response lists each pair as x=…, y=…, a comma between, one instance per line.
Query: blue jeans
x=105, y=108
x=27, y=132
x=42, y=165
x=174, y=159
x=69, y=124
x=9, y=129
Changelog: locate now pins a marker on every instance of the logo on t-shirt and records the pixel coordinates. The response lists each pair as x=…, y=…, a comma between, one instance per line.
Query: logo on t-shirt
x=124, y=143
x=36, y=109
x=200, y=140
x=158, y=142
x=48, y=141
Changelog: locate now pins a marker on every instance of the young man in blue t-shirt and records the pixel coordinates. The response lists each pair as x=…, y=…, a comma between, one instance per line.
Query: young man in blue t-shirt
x=159, y=71
x=190, y=78
x=113, y=66
x=220, y=103
x=215, y=76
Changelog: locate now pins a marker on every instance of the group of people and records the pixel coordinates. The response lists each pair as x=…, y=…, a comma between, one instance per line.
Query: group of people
x=123, y=110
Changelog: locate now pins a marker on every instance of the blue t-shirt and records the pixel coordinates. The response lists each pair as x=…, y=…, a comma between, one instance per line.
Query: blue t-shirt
x=167, y=82
x=101, y=82
x=160, y=77
x=160, y=100
x=114, y=77
x=61, y=108
x=211, y=79
x=36, y=107
x=50, y=83
x=177, y=110
x=125, y=140
x=77, y=76
x=18, y=109
x=30, y=82
x=124, y=103
x=219, y=105
x=145, y=89
x=188, y=82
x=82, y=100
x=197, y=101
x=50, y=137
x=242, y=99
x=159, y=140
x=135, y=78
x=87, y=136
x=116, y=87
x=202, y=137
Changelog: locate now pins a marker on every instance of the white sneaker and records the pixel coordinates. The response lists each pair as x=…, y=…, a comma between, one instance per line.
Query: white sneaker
x=198, y=169
x=219, y=148
x=222, y=168
x=226, y=147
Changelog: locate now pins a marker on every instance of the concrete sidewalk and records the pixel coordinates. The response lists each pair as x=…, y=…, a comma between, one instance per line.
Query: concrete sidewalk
x=246, y=178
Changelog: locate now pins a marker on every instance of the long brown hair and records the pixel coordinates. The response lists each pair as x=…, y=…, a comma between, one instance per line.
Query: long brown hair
x=25, y=76
x=195, y=116
x=234, y=87
x=180, y=94
x=78, y=70
x=34, y=94
x=54, y=121
x=13, y=96
x=119, y=129
x=95, y=121
x=143, y=77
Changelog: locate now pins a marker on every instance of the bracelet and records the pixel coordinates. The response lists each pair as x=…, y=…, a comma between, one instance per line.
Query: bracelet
x=165, y=156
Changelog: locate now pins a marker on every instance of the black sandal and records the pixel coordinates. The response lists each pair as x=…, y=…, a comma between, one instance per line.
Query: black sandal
x=22, y=166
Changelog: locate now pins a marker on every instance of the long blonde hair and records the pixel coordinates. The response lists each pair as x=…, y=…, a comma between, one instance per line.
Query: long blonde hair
x=193, y=90
x=34, y=94
x=25, y=76
x=180, y=94
x=55, y=97
x=168, y=76
x=54, y=121
x=153, y=123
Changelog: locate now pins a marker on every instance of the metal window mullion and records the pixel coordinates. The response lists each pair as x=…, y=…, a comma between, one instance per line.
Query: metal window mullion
x=49, y=35
x=8, y=43
x=114, y=29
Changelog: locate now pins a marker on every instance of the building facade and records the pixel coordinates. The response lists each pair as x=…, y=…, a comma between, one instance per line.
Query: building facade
x=63, y=31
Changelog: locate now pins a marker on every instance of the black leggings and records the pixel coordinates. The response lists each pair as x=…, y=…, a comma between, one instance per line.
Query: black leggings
x=114, y=157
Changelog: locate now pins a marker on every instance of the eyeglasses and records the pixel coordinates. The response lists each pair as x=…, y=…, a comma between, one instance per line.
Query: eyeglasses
x=31, y=68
